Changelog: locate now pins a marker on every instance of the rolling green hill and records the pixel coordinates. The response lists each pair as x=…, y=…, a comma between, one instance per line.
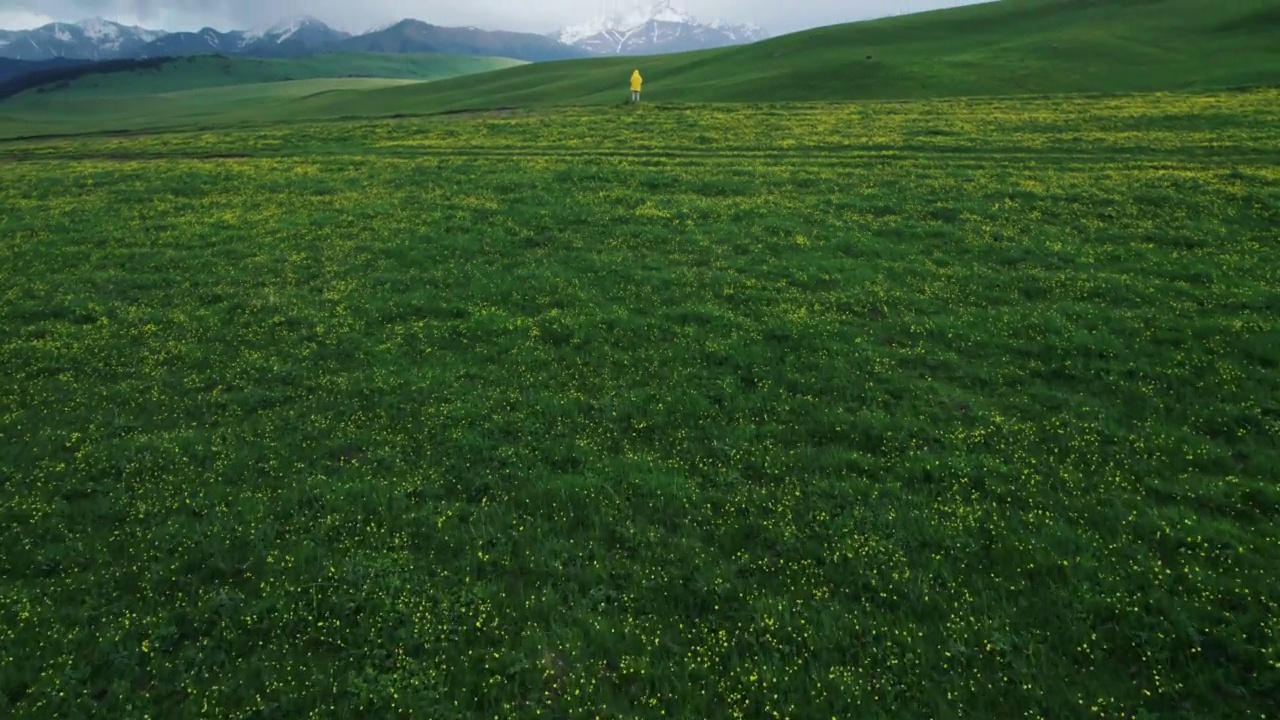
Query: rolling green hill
x=1010, y=47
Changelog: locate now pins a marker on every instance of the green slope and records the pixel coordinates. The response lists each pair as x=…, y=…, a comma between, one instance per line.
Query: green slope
x=213, y=71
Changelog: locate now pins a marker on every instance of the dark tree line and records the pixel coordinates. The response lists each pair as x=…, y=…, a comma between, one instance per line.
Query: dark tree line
x=11, y=68
x=58, y=76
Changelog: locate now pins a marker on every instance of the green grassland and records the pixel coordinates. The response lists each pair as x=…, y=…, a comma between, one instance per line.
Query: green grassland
x=1011, y=47
x=953, y=408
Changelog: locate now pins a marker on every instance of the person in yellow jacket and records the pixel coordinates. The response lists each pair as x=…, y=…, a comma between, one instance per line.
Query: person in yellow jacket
x=636, y=82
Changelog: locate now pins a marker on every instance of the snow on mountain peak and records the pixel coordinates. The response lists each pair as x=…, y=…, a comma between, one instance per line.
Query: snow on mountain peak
x=99, y=29
x=380, y=28
x=282, y=30
x=292, y=24
x=663, y=11
x=722, y=24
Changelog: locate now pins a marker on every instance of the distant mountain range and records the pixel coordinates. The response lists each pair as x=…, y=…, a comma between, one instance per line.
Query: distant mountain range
x=654, y=28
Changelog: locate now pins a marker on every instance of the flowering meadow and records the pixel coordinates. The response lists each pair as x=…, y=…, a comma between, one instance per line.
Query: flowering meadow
x=953, y=409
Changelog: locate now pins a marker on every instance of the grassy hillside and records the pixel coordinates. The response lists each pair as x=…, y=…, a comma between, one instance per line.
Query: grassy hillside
x=704, y=412
x=1001, y=48
x=196, y=72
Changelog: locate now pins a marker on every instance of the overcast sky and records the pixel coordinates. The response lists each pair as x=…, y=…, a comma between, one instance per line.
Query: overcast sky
x=776, y=16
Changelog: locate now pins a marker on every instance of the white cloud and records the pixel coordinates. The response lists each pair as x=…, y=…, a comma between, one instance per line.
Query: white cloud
x=19, y=19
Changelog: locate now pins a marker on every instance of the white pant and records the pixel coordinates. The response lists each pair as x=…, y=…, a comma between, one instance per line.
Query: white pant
x=635, y=96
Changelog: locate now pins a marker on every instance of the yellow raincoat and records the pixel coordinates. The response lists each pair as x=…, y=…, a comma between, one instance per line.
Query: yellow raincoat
x=636, y=81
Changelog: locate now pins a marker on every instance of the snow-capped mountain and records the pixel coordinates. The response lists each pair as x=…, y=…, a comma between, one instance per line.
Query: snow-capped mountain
x=654, y=27
x=291, y=37
x=93, y=39
x=206, y=41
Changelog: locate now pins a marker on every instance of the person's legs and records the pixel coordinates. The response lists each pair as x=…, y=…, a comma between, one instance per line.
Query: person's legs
x=635, y=96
